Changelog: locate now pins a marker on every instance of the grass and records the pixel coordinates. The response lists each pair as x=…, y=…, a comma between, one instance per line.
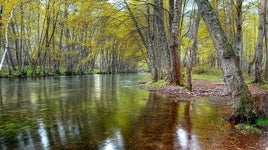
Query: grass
x=208, y=77
x=156, y=85
x=264, y=86
x=95, y=71
x=262, y=122
x=247, y=129
x=207, y=73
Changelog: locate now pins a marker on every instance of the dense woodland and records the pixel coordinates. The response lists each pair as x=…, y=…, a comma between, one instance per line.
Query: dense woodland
x=74, y=37
x=168, y=38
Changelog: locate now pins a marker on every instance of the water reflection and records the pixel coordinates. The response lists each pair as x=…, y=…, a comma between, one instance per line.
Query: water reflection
x=156, y=126
x=43, y=134
x=186, y=138
x=115, y=142
x=108, y=112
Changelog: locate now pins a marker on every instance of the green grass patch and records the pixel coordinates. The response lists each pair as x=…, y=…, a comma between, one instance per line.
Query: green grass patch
x=156, y=85
x=264, y=86
x=262, y=122
x=247, y=129
x=206, y=69
x=208, y=77
x=207, y=73
x=95, y=71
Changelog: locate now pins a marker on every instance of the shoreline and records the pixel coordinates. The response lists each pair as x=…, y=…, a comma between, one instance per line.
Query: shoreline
x=201, y=88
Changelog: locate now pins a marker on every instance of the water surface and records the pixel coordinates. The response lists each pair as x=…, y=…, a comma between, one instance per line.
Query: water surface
x=109, y=112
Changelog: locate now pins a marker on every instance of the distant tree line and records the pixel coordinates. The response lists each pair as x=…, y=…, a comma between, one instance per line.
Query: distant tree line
x=66, y=37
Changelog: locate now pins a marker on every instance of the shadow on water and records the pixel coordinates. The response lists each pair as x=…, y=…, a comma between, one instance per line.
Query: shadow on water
x=109, y=112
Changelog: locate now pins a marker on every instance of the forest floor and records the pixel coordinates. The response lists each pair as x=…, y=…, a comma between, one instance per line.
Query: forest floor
x=206, y=88
x=202, y=88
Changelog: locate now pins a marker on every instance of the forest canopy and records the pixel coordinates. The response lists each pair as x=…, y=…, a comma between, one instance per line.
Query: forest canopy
x=47, y=37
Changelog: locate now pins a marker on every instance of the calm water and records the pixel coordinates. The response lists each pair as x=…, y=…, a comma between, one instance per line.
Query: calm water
x=109, y=112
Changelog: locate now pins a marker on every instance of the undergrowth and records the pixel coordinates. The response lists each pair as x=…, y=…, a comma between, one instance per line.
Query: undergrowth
x=155, y=85
x=262, y=122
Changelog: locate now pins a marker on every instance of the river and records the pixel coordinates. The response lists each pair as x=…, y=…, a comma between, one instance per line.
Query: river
x=110, y=112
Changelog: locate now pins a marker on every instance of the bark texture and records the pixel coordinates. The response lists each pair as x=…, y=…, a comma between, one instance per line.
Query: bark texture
x=238, y=42
x=174, y=50
x=266, y=38
x=193, y=49
x=259, y=47
x=243, y=104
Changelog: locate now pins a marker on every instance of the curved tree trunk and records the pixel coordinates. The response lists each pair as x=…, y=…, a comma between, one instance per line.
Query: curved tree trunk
x=243, y=104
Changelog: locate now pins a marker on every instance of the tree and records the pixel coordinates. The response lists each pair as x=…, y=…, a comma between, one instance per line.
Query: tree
x=174, y=47
x=266, y=38
x=232, y=73
x=161, y=41
x=238, y=41
x=1, y=24
x=259, y=46
x=193, y=49
x=6, y=40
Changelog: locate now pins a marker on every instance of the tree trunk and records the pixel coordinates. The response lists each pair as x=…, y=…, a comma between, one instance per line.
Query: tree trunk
x=238, y=42
x=229, y=21
x=146, y=40
x=21, y=53
x=160, y=44
x=1, y=25
x=174, y=48
x=6, y=40
x=259, y=47
x=266, y=39
x=148, y=44
x=243, y=104
x=193, y=49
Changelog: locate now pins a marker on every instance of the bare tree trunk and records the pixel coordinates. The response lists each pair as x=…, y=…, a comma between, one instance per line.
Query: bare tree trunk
x=238, y=42
x=193, y=49
x=266, y=39
x=243, y=105
x=146, y=40
x=259, y=47
x=229, y=22
x=6, y=40
x=151, y=53
x=1, y=25
x=21, y=53
x=174, y=48
x=160, y=42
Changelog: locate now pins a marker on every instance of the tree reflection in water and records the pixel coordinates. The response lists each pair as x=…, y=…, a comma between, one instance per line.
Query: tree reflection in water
x=107, y=112
x=156, y=126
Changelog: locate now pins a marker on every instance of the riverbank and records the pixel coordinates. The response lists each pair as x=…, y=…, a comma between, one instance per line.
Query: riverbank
x=201, y=88
x=213, y=90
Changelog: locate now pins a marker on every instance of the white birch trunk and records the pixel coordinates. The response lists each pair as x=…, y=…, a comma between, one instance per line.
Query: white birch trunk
x=6, y=40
